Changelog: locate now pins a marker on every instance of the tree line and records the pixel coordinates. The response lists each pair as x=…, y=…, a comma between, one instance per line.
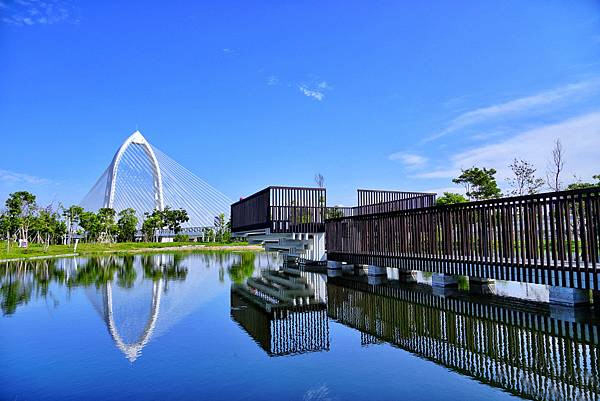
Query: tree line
x=23, y=219
x=481, y=184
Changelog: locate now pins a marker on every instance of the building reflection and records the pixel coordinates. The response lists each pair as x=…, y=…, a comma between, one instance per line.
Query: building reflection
x=284, y=311
x=517, y=347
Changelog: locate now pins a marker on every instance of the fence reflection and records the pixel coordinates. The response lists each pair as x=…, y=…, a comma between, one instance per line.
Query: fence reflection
x=522, y=349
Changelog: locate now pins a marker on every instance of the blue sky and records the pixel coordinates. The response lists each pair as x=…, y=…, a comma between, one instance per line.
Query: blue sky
x=395, y=95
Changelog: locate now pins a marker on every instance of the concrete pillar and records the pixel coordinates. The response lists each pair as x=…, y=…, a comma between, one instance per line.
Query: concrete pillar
x=482, y=286
x=375, y=280
x=444, y=292
x=596, y=299
x=348, y=268
x=376, y=271
x=409, y=276
x=568, y=296
x=443, y=280
x=334, y=265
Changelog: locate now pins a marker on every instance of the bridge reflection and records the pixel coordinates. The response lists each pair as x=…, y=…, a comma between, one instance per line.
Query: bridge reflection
x=284, y=311
x=519, y=348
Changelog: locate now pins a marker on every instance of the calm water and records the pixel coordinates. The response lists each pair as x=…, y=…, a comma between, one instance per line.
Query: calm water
x=231, y=326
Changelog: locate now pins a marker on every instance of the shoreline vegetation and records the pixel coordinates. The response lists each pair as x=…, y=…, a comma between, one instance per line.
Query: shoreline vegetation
x=37, y=251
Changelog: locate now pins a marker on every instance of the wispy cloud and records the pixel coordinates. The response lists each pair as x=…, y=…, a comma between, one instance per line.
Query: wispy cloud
x=316, y=89
x=37, y=12
x=408, y=159
x=12, y=177
x=514, y=107
x=311, y=92
x=580, y=136
x=272, y=80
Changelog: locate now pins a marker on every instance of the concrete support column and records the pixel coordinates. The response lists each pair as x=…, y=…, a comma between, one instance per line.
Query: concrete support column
x=409, y=276
x=443, y=280
x=376, y=271
x=482, y=286
x=375, y=280
x=334, y=265
x=596, y=299
x=569, y=296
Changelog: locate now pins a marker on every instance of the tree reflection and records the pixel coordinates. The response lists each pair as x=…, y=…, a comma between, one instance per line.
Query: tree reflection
x=21, y=280
x=239, y=272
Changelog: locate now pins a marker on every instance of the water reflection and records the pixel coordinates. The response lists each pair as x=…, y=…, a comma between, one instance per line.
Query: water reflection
x=283, y=310
x=138, y=297
x=524, y=348
x=515, y=346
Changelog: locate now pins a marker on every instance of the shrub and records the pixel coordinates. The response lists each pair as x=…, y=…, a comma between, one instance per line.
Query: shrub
x=181, y=238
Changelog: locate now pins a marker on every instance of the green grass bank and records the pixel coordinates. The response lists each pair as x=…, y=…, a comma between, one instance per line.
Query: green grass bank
x=37, y=250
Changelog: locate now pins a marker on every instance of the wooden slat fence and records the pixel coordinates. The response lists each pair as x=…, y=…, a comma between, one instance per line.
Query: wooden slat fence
x=414, y=201
x=550, y=238
x=282, y=210
x=376, y=196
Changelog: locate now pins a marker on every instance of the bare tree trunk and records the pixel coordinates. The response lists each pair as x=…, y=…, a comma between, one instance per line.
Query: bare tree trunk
x=556, y=168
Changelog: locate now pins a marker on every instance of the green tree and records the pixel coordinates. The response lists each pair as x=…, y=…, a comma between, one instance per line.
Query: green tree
x=72, y=216
x=20, y=209
x=173, y=218
x=152, y=222
x=127, y=225
x=90, y=222
x=582, y=185
x=208, y=234
x=108, y=227
x=479, y=183
x=450, y=198
x=47, y=227
x=220, y=227
x=524, y=181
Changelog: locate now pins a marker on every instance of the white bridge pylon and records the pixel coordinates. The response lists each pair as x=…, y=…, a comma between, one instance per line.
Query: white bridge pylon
x=135, y=138
x=143, y=178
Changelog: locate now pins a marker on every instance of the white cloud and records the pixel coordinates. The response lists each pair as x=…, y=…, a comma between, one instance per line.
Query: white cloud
x=315, y=89
x=37, y=12
x=520, y=105
x=580, y=137
x=272, y=80
x=408, y=159
x=7, y=176
x=311, y=93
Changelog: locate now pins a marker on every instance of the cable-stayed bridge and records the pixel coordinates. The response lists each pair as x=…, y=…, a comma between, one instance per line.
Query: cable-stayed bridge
x=143, y=178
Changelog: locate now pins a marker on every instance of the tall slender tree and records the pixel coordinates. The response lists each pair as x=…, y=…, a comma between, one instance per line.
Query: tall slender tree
x=556, y=167
x=523, y=181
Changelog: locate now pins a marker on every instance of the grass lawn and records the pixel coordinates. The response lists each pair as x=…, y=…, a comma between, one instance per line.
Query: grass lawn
x=38, y=250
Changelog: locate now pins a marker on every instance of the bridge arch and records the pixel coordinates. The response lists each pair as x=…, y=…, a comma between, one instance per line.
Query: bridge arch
x=138, y=139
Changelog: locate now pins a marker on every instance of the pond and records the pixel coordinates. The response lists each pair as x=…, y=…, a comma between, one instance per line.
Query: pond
x=241, y=326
